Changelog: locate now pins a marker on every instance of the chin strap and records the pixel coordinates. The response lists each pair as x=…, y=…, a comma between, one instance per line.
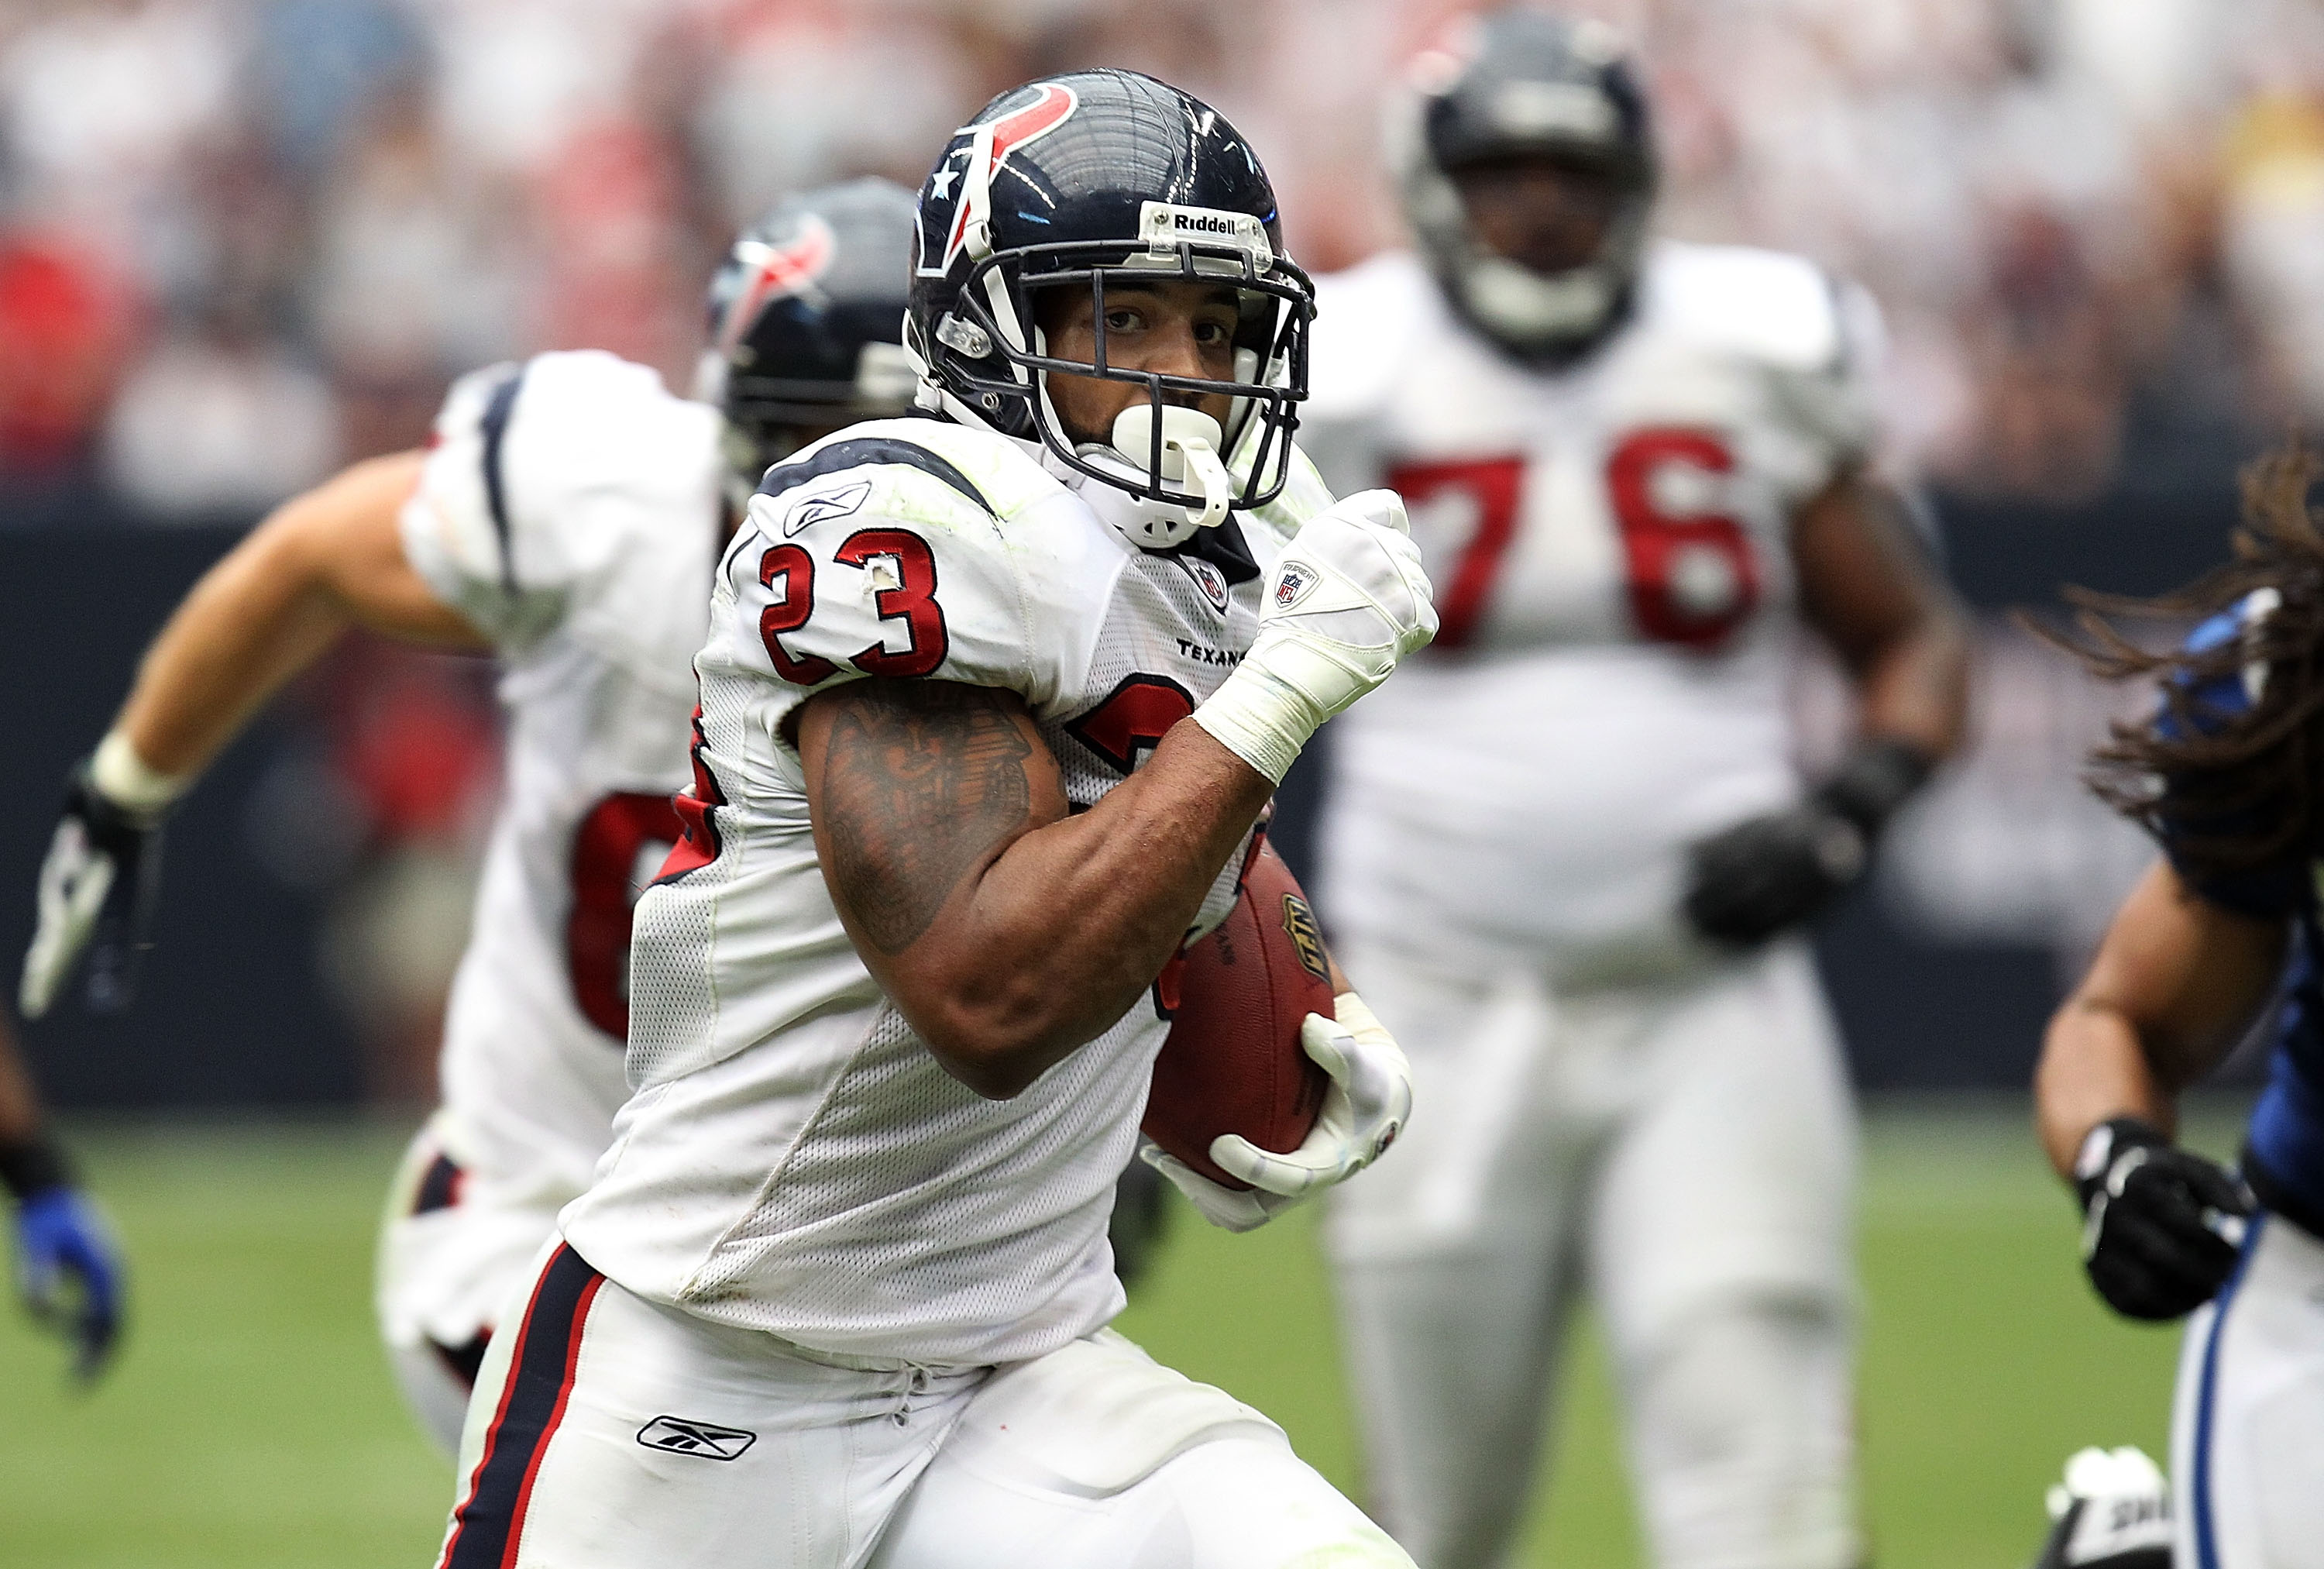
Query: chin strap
x=1203, y=462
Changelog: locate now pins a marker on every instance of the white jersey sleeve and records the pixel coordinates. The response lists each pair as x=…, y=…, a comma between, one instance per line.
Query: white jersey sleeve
x=531, y=498
x=883, y=552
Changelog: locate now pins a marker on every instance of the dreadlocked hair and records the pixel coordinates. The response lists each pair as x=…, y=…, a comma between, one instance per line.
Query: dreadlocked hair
x=2231, y=792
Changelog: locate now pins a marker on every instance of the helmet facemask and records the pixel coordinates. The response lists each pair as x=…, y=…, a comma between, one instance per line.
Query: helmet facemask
x=1184, y=468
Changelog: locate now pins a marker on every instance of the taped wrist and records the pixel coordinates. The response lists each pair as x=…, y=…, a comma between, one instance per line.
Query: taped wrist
x=1262, y=718
x=122, y=779
x=33, y=1165
x=1361, y=1022
x=1879, y=774
x=2104, y=1144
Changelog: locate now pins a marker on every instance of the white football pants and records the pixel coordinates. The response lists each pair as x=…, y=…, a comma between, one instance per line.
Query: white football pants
x=1686, y=1153
x=449, y=1254
x=606, y=1430
x=2247, y=1426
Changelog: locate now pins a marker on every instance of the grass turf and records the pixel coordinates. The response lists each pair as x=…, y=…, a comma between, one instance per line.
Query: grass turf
x=252, y=1421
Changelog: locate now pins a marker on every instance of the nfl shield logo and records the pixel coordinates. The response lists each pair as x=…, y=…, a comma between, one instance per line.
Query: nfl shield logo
x=1209, y=579
x=1291, y=583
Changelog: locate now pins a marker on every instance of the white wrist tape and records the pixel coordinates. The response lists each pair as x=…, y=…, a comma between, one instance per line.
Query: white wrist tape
x=1262, y=718
x=127, y=780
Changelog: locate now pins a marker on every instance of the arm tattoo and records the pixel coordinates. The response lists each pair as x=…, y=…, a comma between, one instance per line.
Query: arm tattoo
x=919, y=780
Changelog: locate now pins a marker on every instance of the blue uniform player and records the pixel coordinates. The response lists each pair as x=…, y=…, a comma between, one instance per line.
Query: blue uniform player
x=2229, y=779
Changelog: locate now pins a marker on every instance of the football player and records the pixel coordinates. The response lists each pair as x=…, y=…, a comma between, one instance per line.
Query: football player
x=1570, y=849
x=2224, y=924
x=990, y=702
x=68, y=1268
x=566, y=517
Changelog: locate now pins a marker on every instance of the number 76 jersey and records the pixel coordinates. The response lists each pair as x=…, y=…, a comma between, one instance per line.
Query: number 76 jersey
x=1611, y=543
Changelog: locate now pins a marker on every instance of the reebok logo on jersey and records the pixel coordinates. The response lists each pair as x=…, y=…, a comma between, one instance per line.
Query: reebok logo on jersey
x=1209, y=579
x=816, y=509
x=705, y=1439
x=1291, y=585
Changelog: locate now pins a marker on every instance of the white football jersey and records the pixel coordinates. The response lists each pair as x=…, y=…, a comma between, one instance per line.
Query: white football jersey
x=795, y=1159
x=1610, y=546
x=570, y=510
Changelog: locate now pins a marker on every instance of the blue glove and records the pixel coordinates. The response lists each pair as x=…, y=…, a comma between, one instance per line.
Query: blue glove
x=68, y=1268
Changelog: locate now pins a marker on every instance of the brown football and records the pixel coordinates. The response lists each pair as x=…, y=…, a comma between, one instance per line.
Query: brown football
x=1232, y=1063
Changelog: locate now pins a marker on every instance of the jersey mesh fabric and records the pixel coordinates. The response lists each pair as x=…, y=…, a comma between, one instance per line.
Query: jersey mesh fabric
x=797, y=1160
x=894, y=1206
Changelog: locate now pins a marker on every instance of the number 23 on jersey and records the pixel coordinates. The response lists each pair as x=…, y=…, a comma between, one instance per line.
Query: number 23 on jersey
x=904, y=569
x=1691, y=577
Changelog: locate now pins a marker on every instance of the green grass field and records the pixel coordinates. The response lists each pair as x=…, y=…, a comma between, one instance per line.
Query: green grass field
x=252, y=1423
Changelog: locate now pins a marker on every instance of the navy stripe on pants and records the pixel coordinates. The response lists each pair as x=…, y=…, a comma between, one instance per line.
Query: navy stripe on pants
x=489, y=1522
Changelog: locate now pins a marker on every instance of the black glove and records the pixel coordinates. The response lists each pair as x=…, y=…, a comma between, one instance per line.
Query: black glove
x=2162, y=1226
x=97, y=891
x=1768, y=874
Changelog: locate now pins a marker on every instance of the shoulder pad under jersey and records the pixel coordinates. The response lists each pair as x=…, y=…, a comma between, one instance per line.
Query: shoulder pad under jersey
x=1817, y=339
x=1365, y=316
x=919, y=549
x=545, y=477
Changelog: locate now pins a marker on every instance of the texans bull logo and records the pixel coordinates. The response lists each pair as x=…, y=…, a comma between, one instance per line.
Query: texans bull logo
x=777, y=271
x=954, y=213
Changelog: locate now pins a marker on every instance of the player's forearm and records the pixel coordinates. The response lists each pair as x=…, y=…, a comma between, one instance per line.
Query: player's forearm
x=1008, y=930
x=253, y=622
x=1069, y=926
x=2175, y=984
x=2093, y=1069
x=20, y=1108
x=321, y=563
x=1914, y=688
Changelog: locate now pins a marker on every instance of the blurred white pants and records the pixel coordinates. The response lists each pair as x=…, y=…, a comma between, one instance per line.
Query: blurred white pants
x=607, y=1430
x=1686, y=1153
x=448, y=1257
x=2247, y=1426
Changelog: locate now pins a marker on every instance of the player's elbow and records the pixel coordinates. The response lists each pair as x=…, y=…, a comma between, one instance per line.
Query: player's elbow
x=998, y=1044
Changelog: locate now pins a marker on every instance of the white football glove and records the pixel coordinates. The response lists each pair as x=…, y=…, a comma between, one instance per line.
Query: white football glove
x=1346, y=600
x=1367, y=1104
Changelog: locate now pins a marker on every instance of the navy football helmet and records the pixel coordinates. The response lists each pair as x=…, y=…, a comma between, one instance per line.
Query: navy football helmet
x=1514, y=83
x=1103, y=177
x=806, y=320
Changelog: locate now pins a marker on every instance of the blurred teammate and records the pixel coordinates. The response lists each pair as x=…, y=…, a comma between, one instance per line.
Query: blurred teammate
x=2226, y=922
x=990, y=705
x=1570, y=841
x=69, y=1269
x=567, y=517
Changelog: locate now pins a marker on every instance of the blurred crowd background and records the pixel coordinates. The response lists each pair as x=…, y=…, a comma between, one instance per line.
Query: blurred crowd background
x=242, y=242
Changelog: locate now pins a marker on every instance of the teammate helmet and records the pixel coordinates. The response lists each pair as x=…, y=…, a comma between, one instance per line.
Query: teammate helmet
x=806, y=320
x=1518, y=82
x=1103, y=177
